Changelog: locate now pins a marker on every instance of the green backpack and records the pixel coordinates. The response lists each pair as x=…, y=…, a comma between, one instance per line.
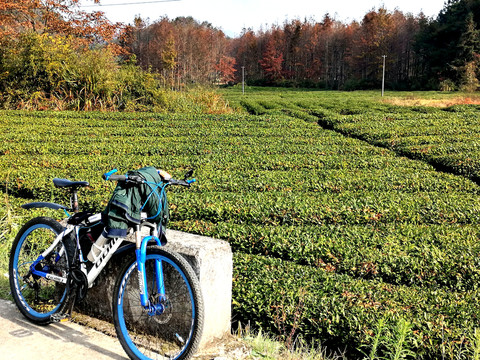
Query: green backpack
x=129, y=200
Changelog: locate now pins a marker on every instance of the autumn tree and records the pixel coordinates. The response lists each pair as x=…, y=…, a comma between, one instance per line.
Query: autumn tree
x=226, y=69
x=271, y=62
x=246, y=50
x=404, y=71
x=62, y=17
x=372, y=43
x=169, y=61
x=292, y=36
x=53, y=55
x=332, y=50
x=328, y=53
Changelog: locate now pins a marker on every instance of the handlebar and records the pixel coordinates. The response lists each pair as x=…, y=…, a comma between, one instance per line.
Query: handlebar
x=139, y=180
x=116, y=177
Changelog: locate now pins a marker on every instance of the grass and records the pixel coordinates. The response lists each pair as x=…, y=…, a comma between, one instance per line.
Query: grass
x=265, y=346
x=7, y=229
x=393, y=343
x=398, y=98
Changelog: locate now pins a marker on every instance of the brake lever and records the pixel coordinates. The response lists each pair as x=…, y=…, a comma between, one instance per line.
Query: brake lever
x=188, y=174
x=134, y=179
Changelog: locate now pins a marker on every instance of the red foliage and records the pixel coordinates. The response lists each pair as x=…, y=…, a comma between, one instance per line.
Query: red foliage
x=272, y=62
x=226, y=68
x=326, y=53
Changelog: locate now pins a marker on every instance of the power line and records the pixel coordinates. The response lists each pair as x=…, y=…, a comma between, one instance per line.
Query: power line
x=130, y=3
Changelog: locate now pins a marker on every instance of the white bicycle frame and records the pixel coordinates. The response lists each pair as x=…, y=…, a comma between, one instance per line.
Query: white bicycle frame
x=100, y=261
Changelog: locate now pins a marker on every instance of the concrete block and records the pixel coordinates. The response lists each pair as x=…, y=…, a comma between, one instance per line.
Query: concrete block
x=211, y=259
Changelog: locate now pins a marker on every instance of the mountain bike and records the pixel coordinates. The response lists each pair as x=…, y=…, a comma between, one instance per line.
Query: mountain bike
x=157, y=302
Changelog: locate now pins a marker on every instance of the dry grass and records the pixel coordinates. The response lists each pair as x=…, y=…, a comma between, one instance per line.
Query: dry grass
x=441, y=103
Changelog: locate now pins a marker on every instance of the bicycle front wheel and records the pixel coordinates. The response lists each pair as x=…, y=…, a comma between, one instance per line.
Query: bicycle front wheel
x=174, y=330
x=38, y=298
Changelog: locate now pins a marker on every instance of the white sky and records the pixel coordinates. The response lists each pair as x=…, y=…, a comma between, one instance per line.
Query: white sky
x=232, y=16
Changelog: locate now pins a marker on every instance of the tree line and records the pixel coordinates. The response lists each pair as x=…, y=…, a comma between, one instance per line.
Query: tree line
x=419, y=52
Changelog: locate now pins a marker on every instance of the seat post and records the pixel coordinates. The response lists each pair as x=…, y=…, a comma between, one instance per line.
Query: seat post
x=74, y=200
x=72, y=187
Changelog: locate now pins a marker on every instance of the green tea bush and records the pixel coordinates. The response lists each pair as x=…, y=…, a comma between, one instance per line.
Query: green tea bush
x=253, y=108
x=346, y=311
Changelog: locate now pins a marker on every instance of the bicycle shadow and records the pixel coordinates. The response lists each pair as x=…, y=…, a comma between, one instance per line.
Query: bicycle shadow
x=97, y=344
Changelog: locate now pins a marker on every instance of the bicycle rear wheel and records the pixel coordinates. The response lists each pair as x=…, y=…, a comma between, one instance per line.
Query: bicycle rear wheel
x=174, y=331
x=37, y=297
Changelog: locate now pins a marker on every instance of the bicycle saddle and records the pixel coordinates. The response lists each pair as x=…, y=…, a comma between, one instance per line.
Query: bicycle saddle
x=65, y=183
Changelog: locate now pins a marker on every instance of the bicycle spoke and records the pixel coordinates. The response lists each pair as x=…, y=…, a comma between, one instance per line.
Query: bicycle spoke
x=169, y=334
x=38, y=297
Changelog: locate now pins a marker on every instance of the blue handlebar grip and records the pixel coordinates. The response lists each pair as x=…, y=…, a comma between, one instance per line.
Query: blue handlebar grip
x=191, y=181
x=107, y=175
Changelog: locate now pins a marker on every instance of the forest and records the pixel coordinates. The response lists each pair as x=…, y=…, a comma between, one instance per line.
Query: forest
x=51, y=51
x=421, y=53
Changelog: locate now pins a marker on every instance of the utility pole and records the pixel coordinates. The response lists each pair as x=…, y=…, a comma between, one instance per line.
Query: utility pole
x=243, y=80
x=383, y=77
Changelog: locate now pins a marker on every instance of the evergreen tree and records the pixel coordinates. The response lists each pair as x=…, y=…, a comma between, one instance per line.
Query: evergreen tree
x=469, y=45
x=439, y=41
x=468, y=57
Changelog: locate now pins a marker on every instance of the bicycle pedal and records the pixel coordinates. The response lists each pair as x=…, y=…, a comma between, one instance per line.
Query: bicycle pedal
x=60, y=317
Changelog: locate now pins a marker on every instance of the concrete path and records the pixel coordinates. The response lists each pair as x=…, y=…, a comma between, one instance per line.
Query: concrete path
x=22, y=340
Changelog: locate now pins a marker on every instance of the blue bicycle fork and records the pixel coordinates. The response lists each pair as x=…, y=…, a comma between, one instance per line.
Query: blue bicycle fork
x=141, y=254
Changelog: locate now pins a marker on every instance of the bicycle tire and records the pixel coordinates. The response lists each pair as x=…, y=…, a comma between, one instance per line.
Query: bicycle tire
x=174, y=334
x=38, y=298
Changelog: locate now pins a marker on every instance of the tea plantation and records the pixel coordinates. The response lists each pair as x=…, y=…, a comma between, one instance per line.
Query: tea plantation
x=341, y=210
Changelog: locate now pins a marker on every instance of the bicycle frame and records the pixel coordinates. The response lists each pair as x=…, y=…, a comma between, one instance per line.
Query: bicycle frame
x=157, y=303
x=45, y=254
x=105, y=256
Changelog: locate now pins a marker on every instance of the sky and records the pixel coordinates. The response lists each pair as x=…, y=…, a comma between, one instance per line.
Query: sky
x=232, y=16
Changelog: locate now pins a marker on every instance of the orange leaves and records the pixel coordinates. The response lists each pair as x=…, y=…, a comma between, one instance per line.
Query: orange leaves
x=226, y=68
x=55, y=17
x=272, y=61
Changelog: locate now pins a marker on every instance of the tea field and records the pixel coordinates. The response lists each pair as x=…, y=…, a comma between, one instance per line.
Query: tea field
x=341, y=209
